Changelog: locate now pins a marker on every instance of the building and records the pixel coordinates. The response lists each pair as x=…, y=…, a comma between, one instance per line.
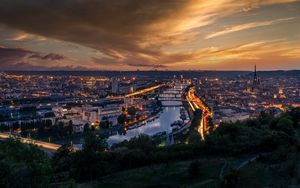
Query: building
x=115, y=85
x=111, y=112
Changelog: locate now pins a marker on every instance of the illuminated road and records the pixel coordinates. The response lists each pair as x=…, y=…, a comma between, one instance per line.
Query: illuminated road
x=196, y=103
x=43, y=145
x=144, y=90
x=137, y=92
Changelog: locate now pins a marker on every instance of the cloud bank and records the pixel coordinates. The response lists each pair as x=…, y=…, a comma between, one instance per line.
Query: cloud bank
x=126, y=32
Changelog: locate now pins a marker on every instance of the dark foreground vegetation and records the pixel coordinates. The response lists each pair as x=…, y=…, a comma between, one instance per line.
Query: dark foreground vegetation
x=264, y=152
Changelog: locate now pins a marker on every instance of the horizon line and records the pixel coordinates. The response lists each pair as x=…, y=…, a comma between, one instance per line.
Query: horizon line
x=262, y=70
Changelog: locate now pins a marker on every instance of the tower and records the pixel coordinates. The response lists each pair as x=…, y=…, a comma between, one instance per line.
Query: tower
x=255, y=77
x=256, y=81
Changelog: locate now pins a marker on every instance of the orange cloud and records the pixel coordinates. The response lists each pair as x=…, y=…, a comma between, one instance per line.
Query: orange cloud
x=245, y=27
x=131, y=33
x=20, y=37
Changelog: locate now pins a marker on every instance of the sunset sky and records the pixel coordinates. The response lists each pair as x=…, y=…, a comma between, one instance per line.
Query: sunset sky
x=149, y=34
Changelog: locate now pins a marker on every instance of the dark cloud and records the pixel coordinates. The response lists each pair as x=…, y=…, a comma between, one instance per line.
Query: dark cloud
x=11, y=55
x=155, y=66
x=24, y=66
x=21, y=66
x=18, y=58
x=128, y=27
x=50, y=56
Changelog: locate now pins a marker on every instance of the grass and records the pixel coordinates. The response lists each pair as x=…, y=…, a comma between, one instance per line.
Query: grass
x=164, y=175
x=175, y=175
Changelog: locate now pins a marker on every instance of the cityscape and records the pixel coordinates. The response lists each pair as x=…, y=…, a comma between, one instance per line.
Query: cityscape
x=149, y=94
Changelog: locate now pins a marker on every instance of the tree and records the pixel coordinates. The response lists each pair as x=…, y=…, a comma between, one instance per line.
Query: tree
x=194, y=137
x=16, y=126
x=122, y=119
x=105, y=123
x=123, y=109
x=197, y=118
x=70, y=127
x=61, y=160
x=86, y=128
x=48, y=123
x=131, y=110
x=286, y=125
x=41, y=129
x=210, y=123
x=94, y=143
x=88, y=163
x=295, y=116
x=61, y=130
x=23, y=165
x=23, y=130
x=142, y=142
x=2, y=117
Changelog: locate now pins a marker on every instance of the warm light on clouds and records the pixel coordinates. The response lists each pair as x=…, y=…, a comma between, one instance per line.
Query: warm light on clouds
x=20, y=37
x=140, y=34
x=246, y=26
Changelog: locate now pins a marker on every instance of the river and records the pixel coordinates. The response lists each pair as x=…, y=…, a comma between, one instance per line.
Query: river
x=169, y=114
x=161, y=124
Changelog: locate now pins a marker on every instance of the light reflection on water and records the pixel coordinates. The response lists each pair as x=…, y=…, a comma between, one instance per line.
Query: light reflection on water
x=163, y=123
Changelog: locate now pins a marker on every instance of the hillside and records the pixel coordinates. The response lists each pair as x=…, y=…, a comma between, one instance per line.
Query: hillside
x=263, y=152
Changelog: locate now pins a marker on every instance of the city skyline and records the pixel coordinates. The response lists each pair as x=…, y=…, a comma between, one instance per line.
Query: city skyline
x=148, y=35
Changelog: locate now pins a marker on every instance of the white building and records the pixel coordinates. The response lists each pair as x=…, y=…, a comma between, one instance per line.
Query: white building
x=90, y=114
x=111, y=112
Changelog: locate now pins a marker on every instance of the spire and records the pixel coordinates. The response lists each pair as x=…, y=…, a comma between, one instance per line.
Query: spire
x=255, y=77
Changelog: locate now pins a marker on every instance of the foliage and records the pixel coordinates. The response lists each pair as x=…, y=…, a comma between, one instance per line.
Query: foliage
x=131, y=110
x=86, y=128
x=143, y=143
x=105, y=123
x=263, y=134
x=267, y=134
x=122, y=119
x=94, y=143
x=23, y=165
x=194, y=137
x=286, y=125
x=197, y=117
x=194, y=169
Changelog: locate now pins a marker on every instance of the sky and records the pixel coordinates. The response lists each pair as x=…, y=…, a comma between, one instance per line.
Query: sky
x=149, y=34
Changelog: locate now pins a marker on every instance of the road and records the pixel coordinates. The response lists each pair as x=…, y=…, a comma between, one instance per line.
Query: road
x=196, y=103
x=43, y=145
x=137, y=92
x=144, y=90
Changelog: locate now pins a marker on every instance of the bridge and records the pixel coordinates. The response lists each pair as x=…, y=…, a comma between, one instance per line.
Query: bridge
x=172, y=94
x=170, y=99
x=42, y=145
x=137, y=92
x=144, y=90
